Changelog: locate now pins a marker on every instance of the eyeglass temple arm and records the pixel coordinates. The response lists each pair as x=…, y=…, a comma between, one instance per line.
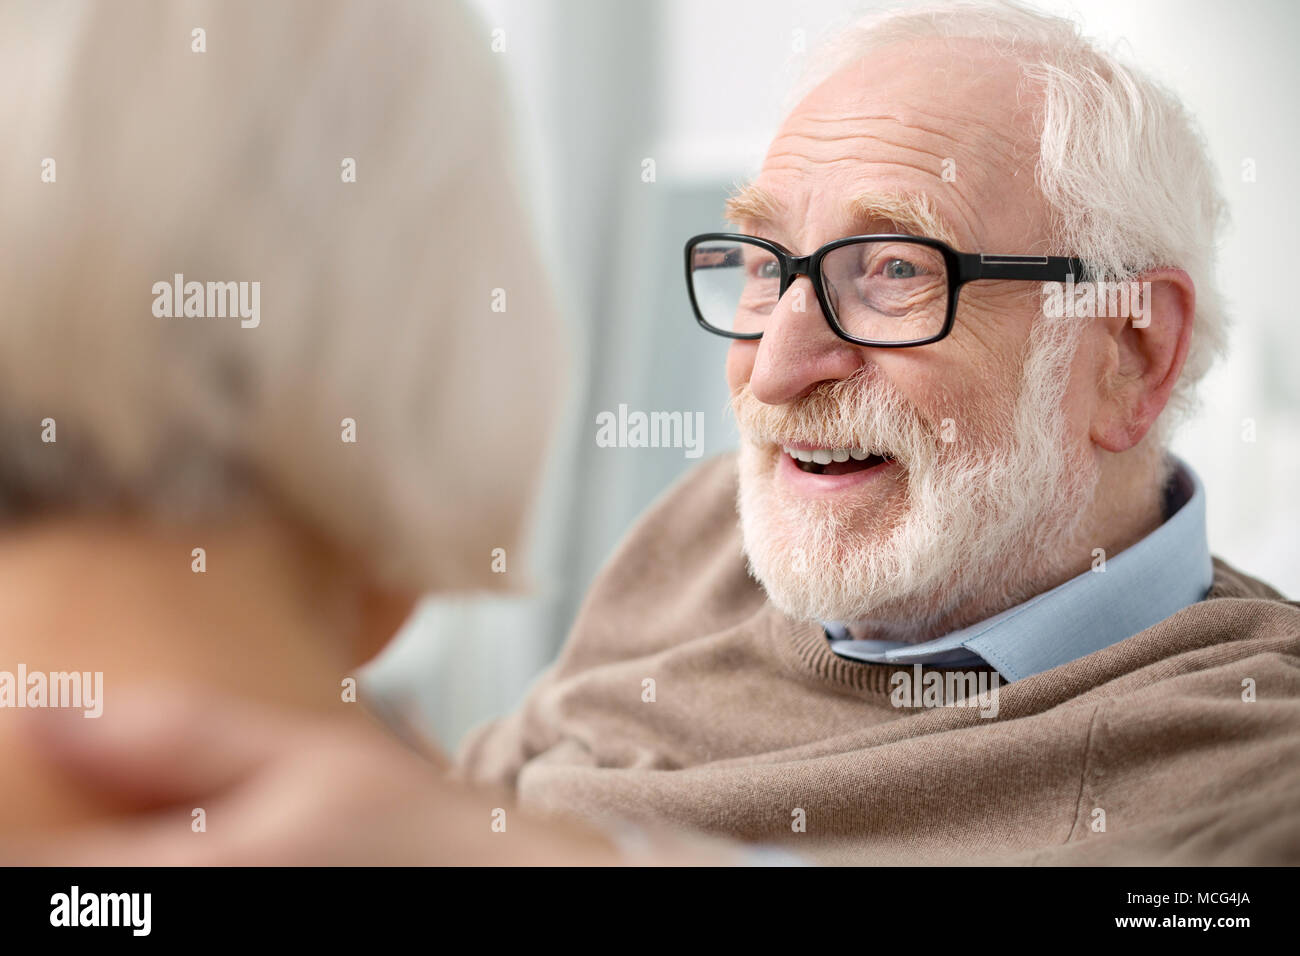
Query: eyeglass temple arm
x=976, y=265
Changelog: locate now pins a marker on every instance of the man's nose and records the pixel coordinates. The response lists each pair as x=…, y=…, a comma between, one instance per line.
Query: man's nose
x=799, y=350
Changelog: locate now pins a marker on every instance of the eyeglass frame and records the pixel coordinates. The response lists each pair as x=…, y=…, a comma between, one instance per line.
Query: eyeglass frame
x=960, y=267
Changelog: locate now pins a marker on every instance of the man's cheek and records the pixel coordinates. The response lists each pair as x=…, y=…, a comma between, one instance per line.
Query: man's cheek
x=967, y=403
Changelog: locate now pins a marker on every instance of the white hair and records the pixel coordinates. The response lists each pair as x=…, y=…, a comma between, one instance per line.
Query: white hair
x=1121, y=165
x=377, y=295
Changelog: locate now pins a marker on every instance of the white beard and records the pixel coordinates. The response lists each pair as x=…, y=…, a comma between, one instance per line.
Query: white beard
x=988, y=519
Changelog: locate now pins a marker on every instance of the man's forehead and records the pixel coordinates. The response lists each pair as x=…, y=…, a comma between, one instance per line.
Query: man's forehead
x=955, y=79
x=941, y=138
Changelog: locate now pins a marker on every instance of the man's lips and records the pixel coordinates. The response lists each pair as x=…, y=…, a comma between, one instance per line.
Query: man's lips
x=817, y=477
x=833, y=461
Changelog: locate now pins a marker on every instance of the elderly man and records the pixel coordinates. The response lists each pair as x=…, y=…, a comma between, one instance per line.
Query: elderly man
x=944, y=484
x=966, y=611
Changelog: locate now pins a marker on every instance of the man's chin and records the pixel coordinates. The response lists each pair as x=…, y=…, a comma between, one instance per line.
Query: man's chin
x=814, y=568
x=804, y=577
x=801, y=547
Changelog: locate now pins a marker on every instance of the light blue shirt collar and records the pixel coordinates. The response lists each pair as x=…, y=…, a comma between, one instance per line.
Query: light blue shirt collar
x=1163, y=573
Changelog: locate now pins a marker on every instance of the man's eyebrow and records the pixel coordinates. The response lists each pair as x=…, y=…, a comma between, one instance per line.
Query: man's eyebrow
x=752, y=205
x=914, y=214
x=911, y=213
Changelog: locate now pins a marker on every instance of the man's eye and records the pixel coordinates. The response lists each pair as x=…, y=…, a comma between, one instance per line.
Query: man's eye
x=768, y=270
x=899, y=269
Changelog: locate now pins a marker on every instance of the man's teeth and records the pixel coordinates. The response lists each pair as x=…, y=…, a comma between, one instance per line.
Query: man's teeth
x=824, y=456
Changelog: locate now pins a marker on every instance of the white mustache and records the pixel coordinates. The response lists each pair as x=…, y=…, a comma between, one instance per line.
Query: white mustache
x=862, y=411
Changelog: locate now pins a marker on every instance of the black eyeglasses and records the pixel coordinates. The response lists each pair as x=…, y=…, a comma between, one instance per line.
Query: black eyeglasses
x=886, y=291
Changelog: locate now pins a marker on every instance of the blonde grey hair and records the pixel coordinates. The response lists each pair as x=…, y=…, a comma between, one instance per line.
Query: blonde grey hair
x=377, y=295
x=1121, y=165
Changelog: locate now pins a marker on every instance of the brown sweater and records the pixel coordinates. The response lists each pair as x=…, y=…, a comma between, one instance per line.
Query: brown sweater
x=1142, y=752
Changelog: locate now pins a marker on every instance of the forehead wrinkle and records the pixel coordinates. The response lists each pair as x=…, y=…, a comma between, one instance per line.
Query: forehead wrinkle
x=957, y=130
x=912, y=210
x=856, y=154
x=969, y=141
x=796, y=148
x=908, y=123
x=966, y=136
x=962, y=215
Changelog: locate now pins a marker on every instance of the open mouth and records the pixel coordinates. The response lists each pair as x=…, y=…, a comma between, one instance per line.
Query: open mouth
x=835, y=461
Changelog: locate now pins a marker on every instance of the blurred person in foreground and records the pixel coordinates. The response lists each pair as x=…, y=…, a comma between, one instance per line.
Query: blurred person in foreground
x=246, y=490
x=952, y=601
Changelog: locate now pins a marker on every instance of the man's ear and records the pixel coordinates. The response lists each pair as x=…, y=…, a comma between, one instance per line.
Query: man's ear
x=1143, y=357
